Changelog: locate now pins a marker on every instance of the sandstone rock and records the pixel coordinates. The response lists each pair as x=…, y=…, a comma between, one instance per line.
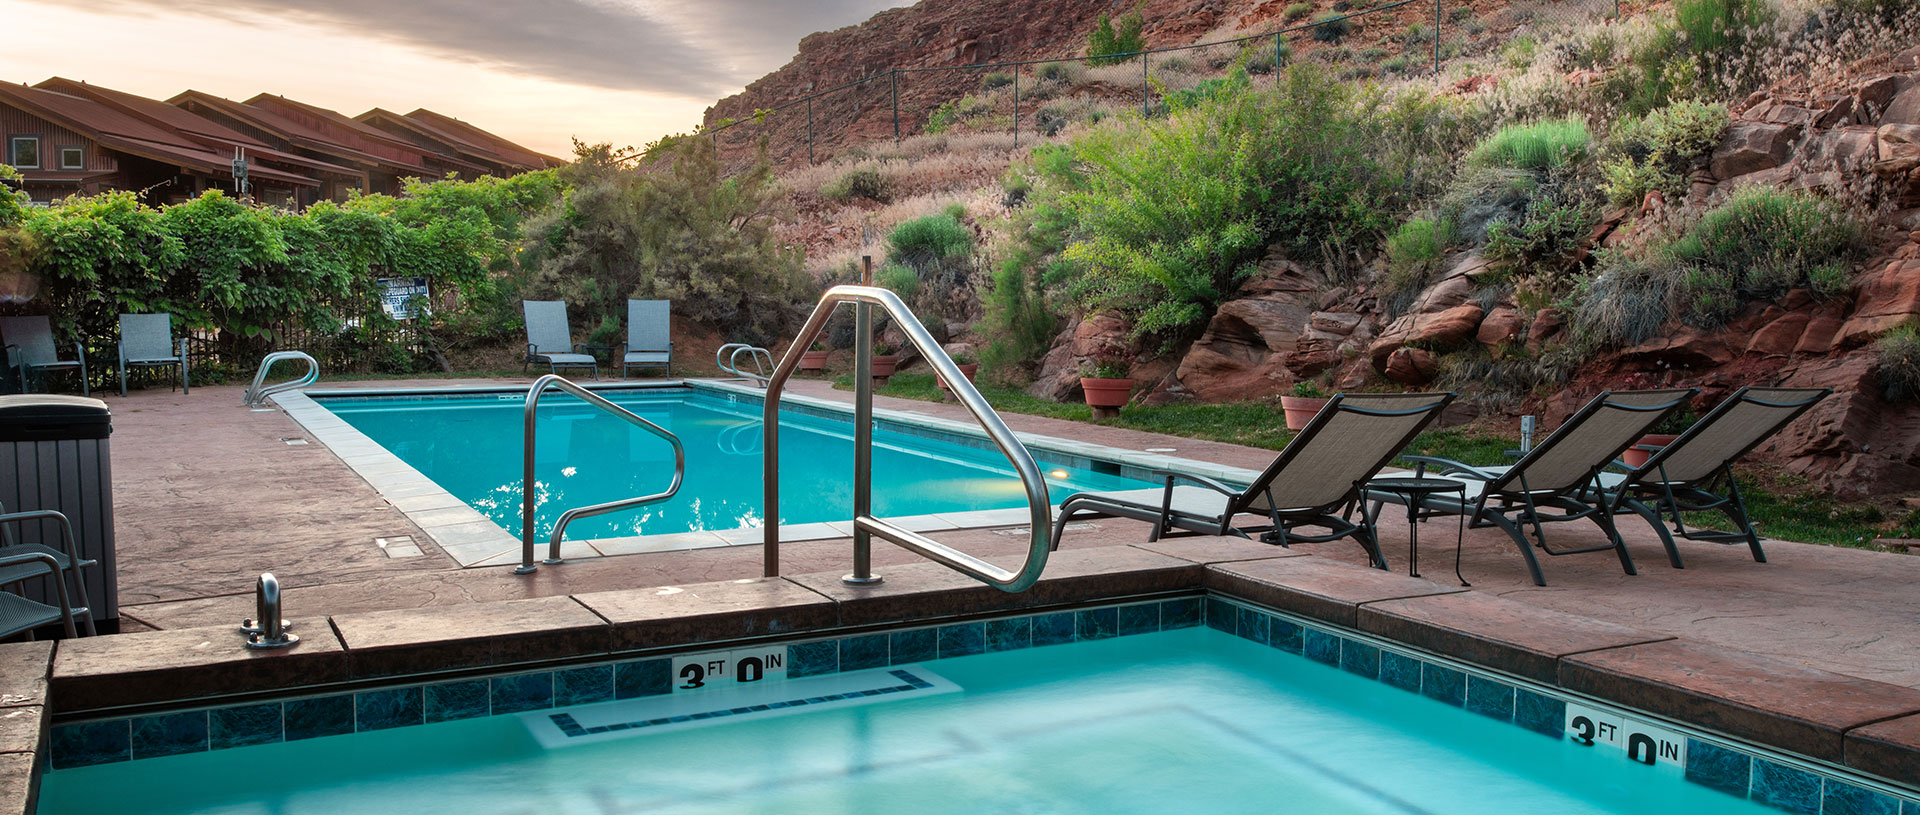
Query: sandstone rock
x=1837, y=112
x=1097, y=335
x=1546, y=326
x=1822, y=326
x=1503, y=326
x=1778, y=338
x=1902, y=109
x=1686, y=348
x=1788, y=114
x=1749, y=147
x=1267, y=339
x=1443, y=329
x=1852, y=442
x=1411, y=366
x=1884, y=299
x=1337, y=323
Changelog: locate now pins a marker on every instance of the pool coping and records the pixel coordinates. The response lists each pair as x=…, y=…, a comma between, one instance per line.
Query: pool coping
x=1798, y=718
x=473, y=540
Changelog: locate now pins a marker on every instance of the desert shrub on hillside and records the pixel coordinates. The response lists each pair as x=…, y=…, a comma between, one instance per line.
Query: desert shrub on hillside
x=996, y=79
x=859, y=182
x=1898, y=352
x=1760, y=243
x=1626, y=300
x=1413, y=256
x=936, y=251
x=1332, y=27
x=1536, y=146
x=1297, y=11
x=1057, y=72
x=1655, y=152
x=1108, y=41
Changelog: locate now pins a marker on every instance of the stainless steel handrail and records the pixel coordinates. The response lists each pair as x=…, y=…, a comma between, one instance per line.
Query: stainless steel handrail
x=257, y=395
x=732, y=362
x=540, y=388
x=865, y=526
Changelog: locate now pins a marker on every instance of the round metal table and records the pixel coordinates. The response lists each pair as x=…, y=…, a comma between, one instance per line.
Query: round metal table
x=1416, y=490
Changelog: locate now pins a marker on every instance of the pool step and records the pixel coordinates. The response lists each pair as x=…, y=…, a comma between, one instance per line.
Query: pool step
x=604, y=721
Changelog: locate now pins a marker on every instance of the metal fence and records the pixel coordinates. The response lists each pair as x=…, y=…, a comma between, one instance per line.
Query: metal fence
x=1420, y=37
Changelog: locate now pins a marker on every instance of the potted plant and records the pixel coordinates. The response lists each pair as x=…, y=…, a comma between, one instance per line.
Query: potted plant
x=1303, y=404
x=885, y=359
x=1663, y=434
x=1105, y=381
x=968, y=367
x=815, y=357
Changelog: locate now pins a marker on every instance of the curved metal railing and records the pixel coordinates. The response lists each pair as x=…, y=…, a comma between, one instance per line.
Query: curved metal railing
x=727, y=357
x=258, y=392
x=540, y=388
x=865, y=526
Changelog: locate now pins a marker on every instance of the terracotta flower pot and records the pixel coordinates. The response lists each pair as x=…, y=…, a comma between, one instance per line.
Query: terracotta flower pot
x=1634, y=456
x=967, y=370
x=813, y=360
x=1301, y=409
x=1106, y=396
x=883, y=367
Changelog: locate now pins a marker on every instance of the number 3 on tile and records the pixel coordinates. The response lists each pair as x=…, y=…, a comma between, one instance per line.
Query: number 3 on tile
x=1640, y=742
x=694, y=672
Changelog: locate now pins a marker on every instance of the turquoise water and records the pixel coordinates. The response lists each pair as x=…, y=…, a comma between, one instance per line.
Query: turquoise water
x=1176, y=722
x=473, y=447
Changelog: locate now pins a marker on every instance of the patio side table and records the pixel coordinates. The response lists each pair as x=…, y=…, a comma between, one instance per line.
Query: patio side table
x=1416, y=490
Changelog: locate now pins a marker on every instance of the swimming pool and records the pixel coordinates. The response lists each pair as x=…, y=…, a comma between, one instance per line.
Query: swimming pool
x=1187, y=719
x=471, y=445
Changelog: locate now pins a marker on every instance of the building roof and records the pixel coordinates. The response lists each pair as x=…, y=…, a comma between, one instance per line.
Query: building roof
x=293, y=131
x=355, y=130
x=120, y=132
x=514, y=153
x=205, y=132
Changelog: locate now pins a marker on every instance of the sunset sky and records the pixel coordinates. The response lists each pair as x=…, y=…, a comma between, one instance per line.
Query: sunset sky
x=538, y=72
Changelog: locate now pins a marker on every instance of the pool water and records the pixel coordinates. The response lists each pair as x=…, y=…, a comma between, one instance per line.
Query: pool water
x=1191, y=720
x=473, y=447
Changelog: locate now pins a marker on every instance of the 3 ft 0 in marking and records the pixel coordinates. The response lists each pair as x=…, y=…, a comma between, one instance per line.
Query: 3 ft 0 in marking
x=1640, y=742
x=726, y=669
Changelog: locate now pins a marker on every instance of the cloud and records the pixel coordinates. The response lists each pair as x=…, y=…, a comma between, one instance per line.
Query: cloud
x=699, y=49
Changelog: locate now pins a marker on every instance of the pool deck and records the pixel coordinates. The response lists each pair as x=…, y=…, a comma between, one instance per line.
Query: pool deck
x=208, y=495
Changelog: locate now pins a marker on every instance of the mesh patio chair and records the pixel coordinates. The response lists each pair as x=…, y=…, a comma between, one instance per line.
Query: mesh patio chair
x=649, y=336
x=1556, y=481
x=18, y=614
x=1320, y=472
x=146, y=341
x=30, y=348
x=550, y=340
x=1694, y=473
x=65, y=558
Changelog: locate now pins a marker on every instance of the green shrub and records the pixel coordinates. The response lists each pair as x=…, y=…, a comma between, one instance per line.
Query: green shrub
x=1625, y=301
x=1537, y=146
x=1760, y=243
x=1055, y=72
x=1207, y=89
x=1655, y=152
x=1169, y=216
x=1413, y=255
x=1519, y=52
x=1899, y=354
x=1297, y=11
x=937, y=251
x=1110, y=44
x=902, y=280
x=859, y=182
x=1332, y=27
x=929, y=239
x=997, y=79
x=1553, y=227
x=1504, y=380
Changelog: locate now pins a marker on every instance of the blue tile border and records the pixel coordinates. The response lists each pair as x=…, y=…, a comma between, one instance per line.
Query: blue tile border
x=1710, y=764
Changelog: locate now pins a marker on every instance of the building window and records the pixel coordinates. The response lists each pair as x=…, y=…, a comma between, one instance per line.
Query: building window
x=23, y=152
x=73, y=158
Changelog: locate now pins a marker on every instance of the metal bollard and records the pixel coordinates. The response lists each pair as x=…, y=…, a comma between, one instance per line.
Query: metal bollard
x=266, y=629
x=1526, y=433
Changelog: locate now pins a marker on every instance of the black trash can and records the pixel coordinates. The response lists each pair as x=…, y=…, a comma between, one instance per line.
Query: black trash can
x=54, y=455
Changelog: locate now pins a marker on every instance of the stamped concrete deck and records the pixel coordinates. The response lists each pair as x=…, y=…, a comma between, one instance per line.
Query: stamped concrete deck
x=208, y=495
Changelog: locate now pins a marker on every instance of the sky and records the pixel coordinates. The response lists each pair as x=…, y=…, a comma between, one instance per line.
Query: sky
x=537, y=72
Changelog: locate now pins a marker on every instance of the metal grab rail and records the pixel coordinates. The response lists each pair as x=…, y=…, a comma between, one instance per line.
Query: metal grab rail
x=732, y=362
x=256, y=395
x=540, y=388
x=865, y=526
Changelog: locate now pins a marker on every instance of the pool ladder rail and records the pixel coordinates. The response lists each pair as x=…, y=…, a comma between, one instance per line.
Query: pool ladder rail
x=865, y=525
x=727, y=358
x=528, y=486
x=266, y=629
x=257, y=393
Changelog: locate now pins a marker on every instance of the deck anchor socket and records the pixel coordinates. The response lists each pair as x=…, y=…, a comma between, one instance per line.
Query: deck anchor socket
x=266, y=629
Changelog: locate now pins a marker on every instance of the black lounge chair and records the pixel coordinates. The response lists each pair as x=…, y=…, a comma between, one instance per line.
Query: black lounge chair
x=1320, y=472
x=1558, y=480
x=1694, y=473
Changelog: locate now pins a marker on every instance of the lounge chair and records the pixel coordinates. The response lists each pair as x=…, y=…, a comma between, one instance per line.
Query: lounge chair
x=550, y=340
x=30, y=348
x=146, y=341
x=1558, y=480
x=20, y=561
x=1694, y=473
x=649, y=336
x=1320, y=472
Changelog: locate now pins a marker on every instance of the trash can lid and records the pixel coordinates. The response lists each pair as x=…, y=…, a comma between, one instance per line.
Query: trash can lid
x=51, y=417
